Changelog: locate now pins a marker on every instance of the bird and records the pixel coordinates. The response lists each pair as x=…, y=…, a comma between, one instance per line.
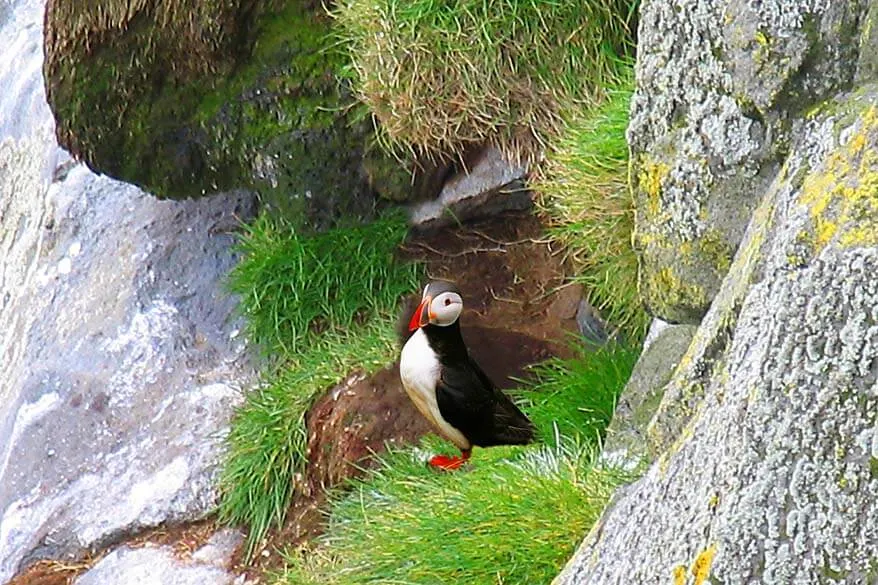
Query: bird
x=449, y=388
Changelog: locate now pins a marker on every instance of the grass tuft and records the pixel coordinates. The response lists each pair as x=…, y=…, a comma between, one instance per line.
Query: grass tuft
x=441, y=76
x=301, y=295
x=514, y=516
x=575, y=398
x=584, y=194
x=292, y=284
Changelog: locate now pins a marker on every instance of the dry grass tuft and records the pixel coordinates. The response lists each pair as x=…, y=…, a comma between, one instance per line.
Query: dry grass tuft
x=440, y=76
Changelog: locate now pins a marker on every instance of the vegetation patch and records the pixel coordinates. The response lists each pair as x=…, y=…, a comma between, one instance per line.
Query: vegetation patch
x=575, y=398
x=324, y=303
x=294, y=284
x=515, y=515
x=441, y=76
x=584, y=195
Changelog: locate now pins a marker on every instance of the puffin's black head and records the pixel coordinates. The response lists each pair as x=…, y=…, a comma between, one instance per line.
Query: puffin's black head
x=441, y=305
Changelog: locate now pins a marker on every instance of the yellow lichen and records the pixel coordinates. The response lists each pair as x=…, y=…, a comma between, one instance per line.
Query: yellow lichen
x=665, y=289
x=652, y=175
x=680, y=575
x=702, y=564
x=843, y=195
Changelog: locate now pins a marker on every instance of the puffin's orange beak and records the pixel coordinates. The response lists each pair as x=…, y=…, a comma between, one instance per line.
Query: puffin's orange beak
x=422, y=314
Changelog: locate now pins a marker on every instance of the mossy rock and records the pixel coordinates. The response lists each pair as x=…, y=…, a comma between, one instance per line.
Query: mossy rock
x=187, y=98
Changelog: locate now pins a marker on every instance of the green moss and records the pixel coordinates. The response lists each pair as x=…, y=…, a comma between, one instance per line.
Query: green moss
x=120, y=90
x=252, y=104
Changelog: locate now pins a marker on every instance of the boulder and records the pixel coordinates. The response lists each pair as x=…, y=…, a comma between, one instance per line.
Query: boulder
x=766, y=431
x=154, y=565
x=185, y=98
x=484, y=185
x=119, y=349
x=721, y=87
x=626, y=444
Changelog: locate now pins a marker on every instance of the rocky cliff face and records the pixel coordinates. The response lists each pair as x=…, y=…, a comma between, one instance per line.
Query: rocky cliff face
x=120, y=359
x=764, y=441
x=721, y=87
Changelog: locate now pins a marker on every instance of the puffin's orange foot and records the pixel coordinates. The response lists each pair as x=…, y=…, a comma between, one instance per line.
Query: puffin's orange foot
x=446, y=463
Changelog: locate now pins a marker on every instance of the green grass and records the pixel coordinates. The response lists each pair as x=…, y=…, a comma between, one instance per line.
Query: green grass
x=325, y=304
x=292, y=284
x=515, y=515
x=584, y=194
x=440, y=76
x=575, y=398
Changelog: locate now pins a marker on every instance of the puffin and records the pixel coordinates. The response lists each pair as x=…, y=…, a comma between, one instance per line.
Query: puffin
x=449, y=388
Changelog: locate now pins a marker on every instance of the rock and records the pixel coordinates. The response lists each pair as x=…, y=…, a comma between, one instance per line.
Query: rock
x=591, y=326
x=767, y=433
x=626, y=444
x=720, y=87
x=185, y=98
x=160, y=566
x=488, y=185
x=121, y=364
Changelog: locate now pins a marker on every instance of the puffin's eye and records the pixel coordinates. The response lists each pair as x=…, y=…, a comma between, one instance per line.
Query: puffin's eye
x=447, y=302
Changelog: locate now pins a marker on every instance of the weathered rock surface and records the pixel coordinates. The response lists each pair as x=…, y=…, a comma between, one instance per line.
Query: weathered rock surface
x=188, y=97
x=626, y=444
x=160, y=566
x=767, y=430
x=721, y=84
x=117, y=342
x=487, y=185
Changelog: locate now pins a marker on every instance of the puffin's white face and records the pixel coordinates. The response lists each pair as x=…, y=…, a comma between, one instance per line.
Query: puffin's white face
x=445, y=309
x=442, y=310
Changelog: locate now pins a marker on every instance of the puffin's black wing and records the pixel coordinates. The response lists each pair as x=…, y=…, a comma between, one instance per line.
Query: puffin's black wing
x=471, y=403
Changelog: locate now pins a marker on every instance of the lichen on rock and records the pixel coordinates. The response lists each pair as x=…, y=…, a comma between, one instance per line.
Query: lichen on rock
x=766, y=470
x=719, y=86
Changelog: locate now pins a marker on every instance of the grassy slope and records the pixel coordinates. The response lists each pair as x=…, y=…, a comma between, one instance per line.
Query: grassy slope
x=585, y=197
x=517, y=513
x=514, y=516
x=301, y=294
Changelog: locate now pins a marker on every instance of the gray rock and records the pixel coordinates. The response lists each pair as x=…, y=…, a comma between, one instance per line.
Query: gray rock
x=767, y=429
x=626, y=443
x=157, y=566
x=590, y=324
x=121, y=364
x=491, y=185
x=218, y=550
x=720, y=85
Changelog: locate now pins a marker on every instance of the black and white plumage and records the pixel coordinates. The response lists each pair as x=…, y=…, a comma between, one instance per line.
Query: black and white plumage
x=448, y=386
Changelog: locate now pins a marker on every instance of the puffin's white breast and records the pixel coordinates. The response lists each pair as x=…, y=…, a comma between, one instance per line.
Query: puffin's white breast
x=419, y=369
